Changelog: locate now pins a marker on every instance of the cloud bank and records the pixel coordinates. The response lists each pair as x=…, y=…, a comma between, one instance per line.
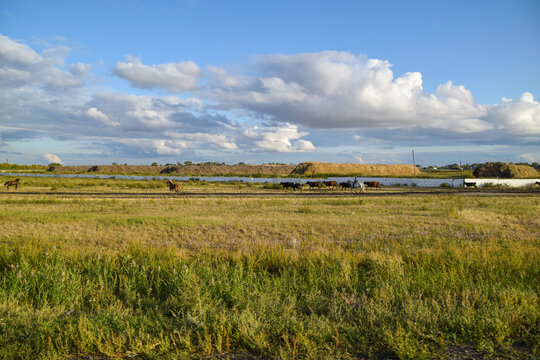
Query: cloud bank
x=278, y=104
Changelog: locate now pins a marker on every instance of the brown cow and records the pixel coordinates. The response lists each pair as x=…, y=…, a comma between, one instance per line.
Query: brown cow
x=313, y=184
x=372, y=184
x=330, y=184
x=12, y=183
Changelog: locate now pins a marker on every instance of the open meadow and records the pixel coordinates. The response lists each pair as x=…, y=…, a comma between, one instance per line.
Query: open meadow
x=279, y=277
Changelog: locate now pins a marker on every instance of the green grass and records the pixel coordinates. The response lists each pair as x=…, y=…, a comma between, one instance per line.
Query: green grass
x=286, y=278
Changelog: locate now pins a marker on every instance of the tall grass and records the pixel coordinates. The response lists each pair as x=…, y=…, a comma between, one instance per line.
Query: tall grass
x=283, y=278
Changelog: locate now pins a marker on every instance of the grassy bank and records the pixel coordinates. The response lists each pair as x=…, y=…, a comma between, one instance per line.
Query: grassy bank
x=284, y=278
x=303, y=170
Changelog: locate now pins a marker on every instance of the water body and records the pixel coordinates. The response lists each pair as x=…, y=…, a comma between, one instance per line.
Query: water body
x=383, y=181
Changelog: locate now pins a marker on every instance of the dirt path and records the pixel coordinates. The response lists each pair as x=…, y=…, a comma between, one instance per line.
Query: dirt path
x=300, y=194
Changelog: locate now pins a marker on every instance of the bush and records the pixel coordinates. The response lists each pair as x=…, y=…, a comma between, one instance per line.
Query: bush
x=272, y=186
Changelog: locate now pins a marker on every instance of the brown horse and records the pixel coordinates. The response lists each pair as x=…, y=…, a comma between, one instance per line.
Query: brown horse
x=12, y=183
x=173, y=186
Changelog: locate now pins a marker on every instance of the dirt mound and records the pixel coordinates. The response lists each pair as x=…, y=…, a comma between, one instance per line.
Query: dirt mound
x=181, y=170
x=109, y=169
x=228, y=170
x=329, y=169
x=504, y=170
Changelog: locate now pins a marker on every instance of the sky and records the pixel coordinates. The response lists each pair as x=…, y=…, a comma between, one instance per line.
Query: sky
x=137, y=82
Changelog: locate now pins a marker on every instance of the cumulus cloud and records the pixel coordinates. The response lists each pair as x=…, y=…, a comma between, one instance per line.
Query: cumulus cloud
x=80, y=69
x=221, y=140
x=14, y=53
x=20, y=66
x=173, y=77
x=280, y=104
x=333, y=89
x=284, y=138
x=519, y=116
x=529, y=157
x=98, y=115
x=52, y=158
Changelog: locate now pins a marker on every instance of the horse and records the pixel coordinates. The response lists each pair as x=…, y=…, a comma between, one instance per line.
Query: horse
x=12, y=183
x=356, y=185
x=173, y=186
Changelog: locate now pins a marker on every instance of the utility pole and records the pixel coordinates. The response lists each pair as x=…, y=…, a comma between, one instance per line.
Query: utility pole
x=413, y=163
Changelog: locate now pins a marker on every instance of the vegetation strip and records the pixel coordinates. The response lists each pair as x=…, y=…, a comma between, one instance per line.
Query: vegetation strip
x=281, y=277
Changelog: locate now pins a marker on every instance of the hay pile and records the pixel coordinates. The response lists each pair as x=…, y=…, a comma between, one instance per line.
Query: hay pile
x=504, y=170
x=331, y=169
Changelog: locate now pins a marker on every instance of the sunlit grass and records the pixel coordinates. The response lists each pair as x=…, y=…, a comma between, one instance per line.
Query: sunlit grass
x=287, y=278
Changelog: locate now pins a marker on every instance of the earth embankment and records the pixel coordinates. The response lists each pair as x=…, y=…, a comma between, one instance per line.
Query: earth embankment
x=181, y=170
x=332, y=169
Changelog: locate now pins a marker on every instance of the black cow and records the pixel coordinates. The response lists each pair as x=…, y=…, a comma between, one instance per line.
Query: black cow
x=313, y=184
x=291, y=185
x=346, y=185
x=469, y=184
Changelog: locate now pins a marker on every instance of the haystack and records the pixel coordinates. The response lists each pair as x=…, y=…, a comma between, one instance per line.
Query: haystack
x=505, y=170
x=332, y=169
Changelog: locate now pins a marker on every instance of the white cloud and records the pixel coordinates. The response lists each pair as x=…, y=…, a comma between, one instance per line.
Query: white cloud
x=169, y=147
x=529, y=157
x=279, y=138
x=80, y=69
x=519, y=116
x=52, y=158
x=98, y=115
x=268, y=107
x=221, y=77
x=333, y=89
x=12, y=52
x=173, y=77
x=23, y=67
x=223, y=141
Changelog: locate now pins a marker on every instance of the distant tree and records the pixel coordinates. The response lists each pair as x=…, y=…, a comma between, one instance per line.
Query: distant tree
x=154, y=164
x=115, y=164
x=54, y=164
x=187, y=163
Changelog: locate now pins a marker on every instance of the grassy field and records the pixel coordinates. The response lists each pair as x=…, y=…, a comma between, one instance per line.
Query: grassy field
x=279, y=277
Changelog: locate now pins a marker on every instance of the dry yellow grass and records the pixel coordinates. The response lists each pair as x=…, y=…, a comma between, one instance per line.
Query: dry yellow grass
x=320, y=168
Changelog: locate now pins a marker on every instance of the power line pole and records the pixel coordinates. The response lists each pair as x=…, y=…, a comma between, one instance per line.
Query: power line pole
x=413, y=162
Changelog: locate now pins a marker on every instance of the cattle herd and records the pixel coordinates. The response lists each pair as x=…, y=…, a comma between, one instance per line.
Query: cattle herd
x=353, y=185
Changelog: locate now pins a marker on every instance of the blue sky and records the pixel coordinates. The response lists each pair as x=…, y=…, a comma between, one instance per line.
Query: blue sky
x=349, y=81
